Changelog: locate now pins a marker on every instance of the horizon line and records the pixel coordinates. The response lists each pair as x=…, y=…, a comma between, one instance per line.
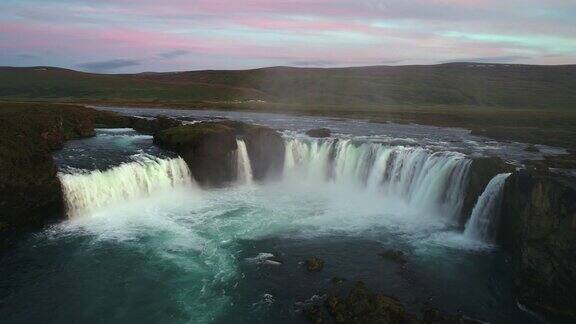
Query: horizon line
x=285, y=67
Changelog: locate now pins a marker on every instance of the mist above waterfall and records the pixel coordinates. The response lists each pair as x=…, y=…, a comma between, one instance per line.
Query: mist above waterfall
x=339, y=185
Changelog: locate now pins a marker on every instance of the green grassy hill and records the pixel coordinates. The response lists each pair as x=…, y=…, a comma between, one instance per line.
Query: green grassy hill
x=454, y=84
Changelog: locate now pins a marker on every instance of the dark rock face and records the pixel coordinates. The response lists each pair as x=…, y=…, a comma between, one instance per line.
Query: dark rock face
x=208, y=149
x=538, y=229
x=481, y=171
x=30, y=191
x=266, y=149
x=153, y=126
x=319, y=132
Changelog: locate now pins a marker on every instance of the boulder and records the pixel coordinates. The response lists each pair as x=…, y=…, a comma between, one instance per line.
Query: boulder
x=538, y=230
x=207, y=148
x=319, y=132
x=481, y=171
x=314, y=264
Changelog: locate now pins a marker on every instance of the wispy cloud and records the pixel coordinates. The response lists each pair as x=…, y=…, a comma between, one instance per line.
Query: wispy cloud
x=109, y=65
x=180, y=34
x=173, y=54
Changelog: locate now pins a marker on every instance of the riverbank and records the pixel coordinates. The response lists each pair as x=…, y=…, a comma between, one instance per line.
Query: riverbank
x=30, y=192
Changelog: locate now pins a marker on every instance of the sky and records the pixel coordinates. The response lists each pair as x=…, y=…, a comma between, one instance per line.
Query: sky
x=120, y=36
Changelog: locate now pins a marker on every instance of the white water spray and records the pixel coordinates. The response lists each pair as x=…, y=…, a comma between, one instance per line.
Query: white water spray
x=85, y=192
x=244, y=168
x=416, y=175
x=482, y=223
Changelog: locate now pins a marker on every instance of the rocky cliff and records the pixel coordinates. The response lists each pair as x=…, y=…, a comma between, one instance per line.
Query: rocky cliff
x=538, y=229
x=30, y=192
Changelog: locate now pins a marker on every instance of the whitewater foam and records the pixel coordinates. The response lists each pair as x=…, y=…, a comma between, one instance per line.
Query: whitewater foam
x=87, y=191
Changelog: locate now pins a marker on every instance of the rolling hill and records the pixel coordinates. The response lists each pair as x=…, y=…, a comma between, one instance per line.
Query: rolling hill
x=453, y=84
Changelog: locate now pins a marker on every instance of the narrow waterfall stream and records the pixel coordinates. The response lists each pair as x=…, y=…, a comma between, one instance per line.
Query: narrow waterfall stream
x=244, y=168
x=482, y=224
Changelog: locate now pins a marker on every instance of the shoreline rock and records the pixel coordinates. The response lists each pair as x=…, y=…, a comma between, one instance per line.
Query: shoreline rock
x=361, y=305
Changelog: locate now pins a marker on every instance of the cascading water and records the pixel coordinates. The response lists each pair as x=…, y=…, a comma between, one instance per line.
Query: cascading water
x=482, y=223
x=414, y=174
x=244, y=168
x=85, y=192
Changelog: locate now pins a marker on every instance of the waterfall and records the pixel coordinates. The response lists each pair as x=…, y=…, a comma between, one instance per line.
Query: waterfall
x=88, y=191
x=482, y=223
x=414, y=174
x=244, y=169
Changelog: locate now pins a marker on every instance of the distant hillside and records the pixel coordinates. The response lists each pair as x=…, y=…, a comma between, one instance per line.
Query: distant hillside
x=454, y=84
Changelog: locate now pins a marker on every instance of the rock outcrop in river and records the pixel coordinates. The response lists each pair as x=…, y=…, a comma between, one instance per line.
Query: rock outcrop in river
x=209, y=149
x=266, y=149
x=155, y=125
x=319, y=132
x=538, y=229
